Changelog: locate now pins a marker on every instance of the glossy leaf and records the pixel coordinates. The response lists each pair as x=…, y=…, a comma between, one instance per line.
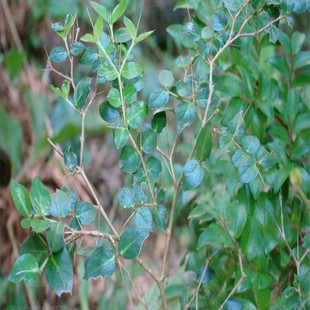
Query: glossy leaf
x=40, y=197
x=118, y=11
x=81, y=92
x=129, y=160
x=158, y=98
x=193, y=175
x=143, y=219
x=61, y=204
x=25, y=267
x=204, y=143
x=136, y=113
x=58, y=54
x=21, y=198
x=59, y=273
x=125, y=197
x=70, y=159
x=54, y=236
x=160, y=217
x=85, y=213
x=186, y=113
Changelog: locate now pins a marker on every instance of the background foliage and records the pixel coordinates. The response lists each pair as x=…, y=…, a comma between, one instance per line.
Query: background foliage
x=218, y=150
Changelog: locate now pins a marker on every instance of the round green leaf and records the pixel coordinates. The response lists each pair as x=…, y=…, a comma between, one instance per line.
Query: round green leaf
x=153, y=166
x=166, y=78
x=101, y=263
x=21, y=198
x=250, y=144
x=247, y=171
x=88, y=56
x=59, y=273
x=108, y=113
x=193, y=175
x=39, y=226
x=58, y=54
x=85, y=213
x=125, y=197
x=158, y=98
x=130, y=242
x=130, y=93
x=136, y=113
x=77, y=48
x=131, y=70
x=143, y=219
x=114, y=98
x=129, y=160
x=25, y=267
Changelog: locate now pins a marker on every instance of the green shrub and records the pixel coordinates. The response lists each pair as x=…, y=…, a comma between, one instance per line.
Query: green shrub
x=231, y=163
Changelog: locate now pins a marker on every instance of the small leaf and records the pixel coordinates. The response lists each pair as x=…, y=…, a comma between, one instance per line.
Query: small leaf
x=193, y=175
x=166, y=78
x=88, y=56
x=101, y=263
x=81, y=92
x=129, y=160
x=114, y=97
x=250, y=144
x=158, y=98
x=69, y=22
x=77, y=48
x=143, y=219
x=136, y=113
x=247, y=171
x=70, y=159
x=21, y=198
x=58, y=26
x=159, y=121
x=131, y=70
x=143, y=36
x=297, y=41
x=58, y=54
x=121, y=136
x=125, y=197
x=219, y=21
x=121, y=35
x=148, y=141
x=61, y=204
x=204, y=143
x=85, y=213
x=59, y=273
x=153, y=166
x=160, y=217
x=302, y=59
x=101, y=10
x=118, y=11
x=130, y=242
x=98, y=28
x=40, y=197
x=186, y=113
x=130, y=93
x=108, y=113
x=25, y=267
x=280, y=64
x=130, y=27
x=39, y=226
x=108, y=72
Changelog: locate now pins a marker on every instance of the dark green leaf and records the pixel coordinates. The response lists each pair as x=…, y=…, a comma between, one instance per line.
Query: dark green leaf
x=130, y=93
x=122, y=35
x=159, y=121
x=153, y=167
x=302, y=59
x=81, y=92
x=193, y=175
x=54, y=236
x=247, y=171
x=89, y=56
x=59, y=273
x=280, y=64
x=160, y=217
x=204, y=143
x=148, y=141
x=25, y=267
x=250, y=144
x=114, y=98
x=21, y=198
x=129, y=160
x=101, y=263
x=39, y=226
x=108, y=113
x=77, y=48
x=70, y=159
x=218, y=21
x=130, y=242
